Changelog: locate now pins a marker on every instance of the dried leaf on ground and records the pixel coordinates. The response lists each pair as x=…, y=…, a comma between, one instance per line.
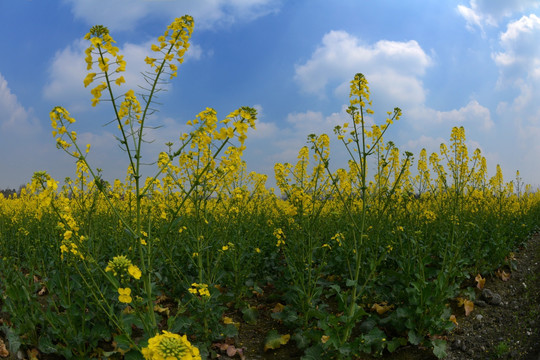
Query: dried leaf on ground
x=382, y=307
x=278, y=308
x=468, y=305
x=33, y=354
x=3, y=351
x=503, y=275
x=480, y=281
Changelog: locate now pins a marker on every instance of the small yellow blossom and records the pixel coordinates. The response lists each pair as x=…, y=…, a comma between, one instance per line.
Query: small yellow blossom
x=120, y=81
x=134, y=271
x=124, y=295
x=89, y=78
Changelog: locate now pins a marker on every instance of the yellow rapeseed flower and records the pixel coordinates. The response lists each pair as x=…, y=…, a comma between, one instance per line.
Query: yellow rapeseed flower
x=169, y=346
x=124, y=295
x=134, y=271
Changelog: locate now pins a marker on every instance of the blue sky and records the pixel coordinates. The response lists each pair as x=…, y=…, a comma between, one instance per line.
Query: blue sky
x=471, y=63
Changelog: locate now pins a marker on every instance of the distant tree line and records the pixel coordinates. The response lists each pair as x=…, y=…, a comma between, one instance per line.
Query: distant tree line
x=11, y=192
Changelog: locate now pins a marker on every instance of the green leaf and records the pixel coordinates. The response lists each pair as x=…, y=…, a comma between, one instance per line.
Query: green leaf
x=133, y=355
x=301, y=340
x=122, y=342
x=313, y=353
x=250, y=315
x=178, y=324
x=374, y=336
x=414, y=338
x=46, y=346
x=395, y=343
x=439, y=348
x=12, y=338
x=230, y=331
x=350, y=283
x=367, y=325
x=101, y=331
x=275, y=340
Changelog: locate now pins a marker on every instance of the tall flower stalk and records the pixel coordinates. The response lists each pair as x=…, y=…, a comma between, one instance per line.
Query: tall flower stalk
x=208, y=138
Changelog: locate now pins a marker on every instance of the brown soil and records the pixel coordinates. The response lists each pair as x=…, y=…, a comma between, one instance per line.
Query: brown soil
x=510, y=330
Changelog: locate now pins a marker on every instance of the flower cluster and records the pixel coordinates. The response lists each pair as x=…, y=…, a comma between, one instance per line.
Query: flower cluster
x=280, y=236
x=102, y=47
x=129, y=107
x=170, y=346
x=121, y=265
x=175, y=41
x=200, y=289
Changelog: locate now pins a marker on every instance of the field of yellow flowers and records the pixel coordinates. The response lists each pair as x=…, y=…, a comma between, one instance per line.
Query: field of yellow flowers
x=363, y=259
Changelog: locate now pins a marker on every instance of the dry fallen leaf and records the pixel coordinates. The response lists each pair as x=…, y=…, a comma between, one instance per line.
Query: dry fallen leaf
x=381, y=308
x=503, y=275
x=3, y=351
x=161, y=310
x=480, y=281
x=468, y=305
x=324, y=338
x=43, y=291
x=161, y=298
x=230, y=350
x=32, y=354
x=278, y=308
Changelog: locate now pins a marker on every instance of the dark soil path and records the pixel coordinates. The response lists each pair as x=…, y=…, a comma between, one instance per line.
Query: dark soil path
x=509, y=328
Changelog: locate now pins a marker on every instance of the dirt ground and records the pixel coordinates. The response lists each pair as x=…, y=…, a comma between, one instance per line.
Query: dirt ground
x=509, y=329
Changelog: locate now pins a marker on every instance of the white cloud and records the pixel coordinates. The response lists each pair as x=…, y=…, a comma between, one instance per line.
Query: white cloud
x=15, y=119
x=208, y=14
x=24, y=144
x=520, y=55
x=519, y=68
x=68, y=70
x=471, y=114
x=394, y=71
x=490, y=12
x=471, y=17
x=393, y=68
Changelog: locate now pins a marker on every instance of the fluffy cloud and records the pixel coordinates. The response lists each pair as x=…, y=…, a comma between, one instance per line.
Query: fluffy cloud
x=126, y=14
x=341, y=55
x=520, y=58
x=24, y=145
x=490, y=12
x=15, y=120
x=471, y=114
x=519, y=68
x=394, y=71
